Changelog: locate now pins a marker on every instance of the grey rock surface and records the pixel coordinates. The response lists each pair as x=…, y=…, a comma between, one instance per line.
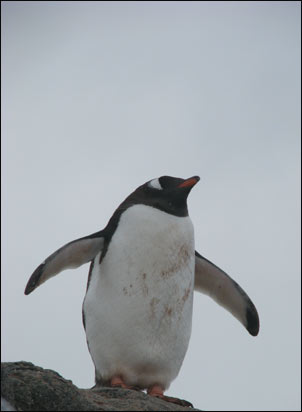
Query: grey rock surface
x=26, y=387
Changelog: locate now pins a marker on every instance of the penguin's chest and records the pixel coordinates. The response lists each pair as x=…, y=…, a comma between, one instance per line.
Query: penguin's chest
x=138, y=305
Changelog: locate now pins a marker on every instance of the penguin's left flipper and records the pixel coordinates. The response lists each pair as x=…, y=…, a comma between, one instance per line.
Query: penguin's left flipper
x=214, y=282
x=71, y=255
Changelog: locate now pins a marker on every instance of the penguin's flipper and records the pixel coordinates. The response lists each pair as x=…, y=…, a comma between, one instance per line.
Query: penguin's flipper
x=214, y=282
x=71, y=255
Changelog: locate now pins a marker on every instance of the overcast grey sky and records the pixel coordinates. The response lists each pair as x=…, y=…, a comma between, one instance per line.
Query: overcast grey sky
x=99, y=97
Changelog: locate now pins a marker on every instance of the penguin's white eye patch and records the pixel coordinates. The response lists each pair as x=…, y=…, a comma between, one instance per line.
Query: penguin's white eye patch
x=155, y=184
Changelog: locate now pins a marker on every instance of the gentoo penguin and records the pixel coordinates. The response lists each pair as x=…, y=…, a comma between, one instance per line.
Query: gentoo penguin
x=137, y=312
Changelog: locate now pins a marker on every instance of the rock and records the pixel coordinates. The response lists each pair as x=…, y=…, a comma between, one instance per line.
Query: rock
x=26, y=387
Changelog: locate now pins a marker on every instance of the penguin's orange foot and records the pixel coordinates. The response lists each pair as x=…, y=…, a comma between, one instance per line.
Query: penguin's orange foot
x=158, y=391
x=117, y=382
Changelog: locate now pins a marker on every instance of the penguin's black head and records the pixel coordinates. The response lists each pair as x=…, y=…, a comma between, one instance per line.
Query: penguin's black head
x=166, y=193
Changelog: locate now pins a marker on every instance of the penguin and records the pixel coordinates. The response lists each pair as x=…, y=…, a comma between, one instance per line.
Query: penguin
x=144, y=269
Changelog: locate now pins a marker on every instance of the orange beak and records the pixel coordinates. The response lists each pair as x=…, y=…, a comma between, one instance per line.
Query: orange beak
x=190, y=182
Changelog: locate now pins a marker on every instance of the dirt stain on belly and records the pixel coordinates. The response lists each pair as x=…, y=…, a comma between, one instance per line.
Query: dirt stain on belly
x=181, y=260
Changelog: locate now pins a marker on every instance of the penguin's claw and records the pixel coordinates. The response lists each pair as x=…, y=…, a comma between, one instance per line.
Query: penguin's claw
x=171, y=399
x=178, y=401
x=158, y=392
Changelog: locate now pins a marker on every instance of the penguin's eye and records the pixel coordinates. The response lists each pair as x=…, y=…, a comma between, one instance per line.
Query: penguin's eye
x=155, y=184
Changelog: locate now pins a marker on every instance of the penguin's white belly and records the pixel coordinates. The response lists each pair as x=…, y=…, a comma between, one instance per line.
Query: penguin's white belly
x=138, y=307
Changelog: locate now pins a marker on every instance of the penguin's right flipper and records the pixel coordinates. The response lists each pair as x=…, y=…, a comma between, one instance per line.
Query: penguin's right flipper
x=69, y=256
x=214, y=282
